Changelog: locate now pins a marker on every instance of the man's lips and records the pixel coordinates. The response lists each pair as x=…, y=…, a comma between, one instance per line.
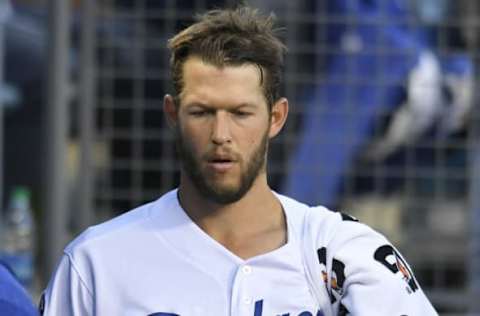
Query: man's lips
x=220, y=166
x=221, y=163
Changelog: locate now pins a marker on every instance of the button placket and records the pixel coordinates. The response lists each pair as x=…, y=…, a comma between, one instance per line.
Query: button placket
x=242, y=295
x=247, y=270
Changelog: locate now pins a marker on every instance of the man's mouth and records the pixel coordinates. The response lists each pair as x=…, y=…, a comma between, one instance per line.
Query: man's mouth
x=221, y=164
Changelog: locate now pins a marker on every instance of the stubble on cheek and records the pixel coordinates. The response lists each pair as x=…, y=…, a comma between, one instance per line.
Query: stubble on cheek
x=213, y=188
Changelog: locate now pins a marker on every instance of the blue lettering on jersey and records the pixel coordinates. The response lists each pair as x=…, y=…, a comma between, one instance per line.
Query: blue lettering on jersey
x=258, y=308
x=258, y=311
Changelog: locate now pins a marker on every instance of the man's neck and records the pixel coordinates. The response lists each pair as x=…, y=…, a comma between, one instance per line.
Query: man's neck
x=253, y=225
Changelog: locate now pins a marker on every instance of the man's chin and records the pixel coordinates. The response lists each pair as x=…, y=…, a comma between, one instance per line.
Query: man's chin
x=223, y=195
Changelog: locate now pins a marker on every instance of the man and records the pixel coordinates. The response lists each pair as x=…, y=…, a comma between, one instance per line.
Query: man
x=14, y=300
x=224, y=243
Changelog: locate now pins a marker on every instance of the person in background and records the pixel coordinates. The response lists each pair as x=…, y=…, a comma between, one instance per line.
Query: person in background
x=14, y=300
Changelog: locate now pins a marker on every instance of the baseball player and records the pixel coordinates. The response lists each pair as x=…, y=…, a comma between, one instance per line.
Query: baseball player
x=224, y=243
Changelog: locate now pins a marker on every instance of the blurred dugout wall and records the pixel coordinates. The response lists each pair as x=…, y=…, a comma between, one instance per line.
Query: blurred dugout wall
x=382, y=121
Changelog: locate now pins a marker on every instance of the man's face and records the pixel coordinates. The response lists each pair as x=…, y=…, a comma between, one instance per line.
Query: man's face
x=222, y=129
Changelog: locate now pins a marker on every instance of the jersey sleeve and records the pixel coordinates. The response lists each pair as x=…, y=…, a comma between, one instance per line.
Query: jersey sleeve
x=369, y=276
x=67, y=294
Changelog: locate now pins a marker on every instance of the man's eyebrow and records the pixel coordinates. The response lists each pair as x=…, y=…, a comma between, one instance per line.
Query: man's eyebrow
x=236, y=106
x=247, y=104
x=197, y=104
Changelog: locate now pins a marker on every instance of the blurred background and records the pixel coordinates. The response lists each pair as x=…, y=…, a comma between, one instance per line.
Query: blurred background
x=384, y=124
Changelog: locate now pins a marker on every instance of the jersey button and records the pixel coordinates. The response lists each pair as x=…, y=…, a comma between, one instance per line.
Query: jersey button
x=247, y=301
x=246, y=269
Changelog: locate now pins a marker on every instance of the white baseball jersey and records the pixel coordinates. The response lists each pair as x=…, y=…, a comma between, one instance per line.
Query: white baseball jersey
x=155, y=261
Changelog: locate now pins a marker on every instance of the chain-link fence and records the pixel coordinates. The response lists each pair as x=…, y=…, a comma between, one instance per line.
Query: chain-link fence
x=382, y=125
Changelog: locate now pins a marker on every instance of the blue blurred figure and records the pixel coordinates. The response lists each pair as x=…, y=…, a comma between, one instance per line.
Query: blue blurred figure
x=378, y=62
x=14, y=300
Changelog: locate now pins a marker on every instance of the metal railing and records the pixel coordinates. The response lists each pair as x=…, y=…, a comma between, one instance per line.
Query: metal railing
x=127, y=156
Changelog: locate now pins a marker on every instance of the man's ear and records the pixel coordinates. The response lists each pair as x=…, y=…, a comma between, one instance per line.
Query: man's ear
x=170, y=110
x=279, y=114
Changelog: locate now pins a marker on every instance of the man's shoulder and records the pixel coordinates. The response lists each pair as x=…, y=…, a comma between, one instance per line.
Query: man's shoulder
x=325, y=225
x=316, y=220
x=337, y=230
x=122, y=227
x=318, y=212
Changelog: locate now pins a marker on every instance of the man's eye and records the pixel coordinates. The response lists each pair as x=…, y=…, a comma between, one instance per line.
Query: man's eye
x=199, y=113
x=242, y=113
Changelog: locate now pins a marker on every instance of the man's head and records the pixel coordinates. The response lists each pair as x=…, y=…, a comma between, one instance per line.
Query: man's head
x=223, y=115
x=231, y=38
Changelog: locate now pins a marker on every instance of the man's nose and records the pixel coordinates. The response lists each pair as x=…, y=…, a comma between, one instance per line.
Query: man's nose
x=221, y=129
